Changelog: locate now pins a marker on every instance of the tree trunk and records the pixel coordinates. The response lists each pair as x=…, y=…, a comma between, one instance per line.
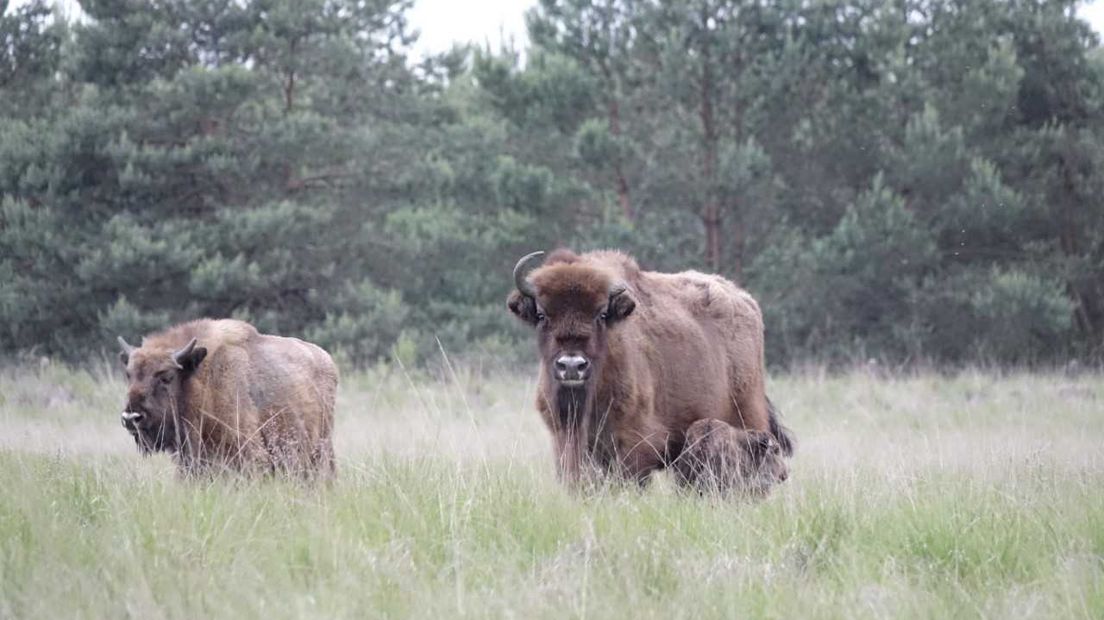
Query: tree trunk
x=613, y=108
x=618, y=169
x=289, y=103
x=711, y=211
x=1069, y=243
x=289, y=81
x=739, y=240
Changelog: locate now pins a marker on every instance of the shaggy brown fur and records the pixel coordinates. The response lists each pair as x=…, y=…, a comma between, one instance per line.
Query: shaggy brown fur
x=720, y=458
x=238, y=400
x=668, y=351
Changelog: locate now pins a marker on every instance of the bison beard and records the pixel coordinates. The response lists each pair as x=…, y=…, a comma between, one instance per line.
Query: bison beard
x=162, y=438
x=631, y=359
x=584, y=446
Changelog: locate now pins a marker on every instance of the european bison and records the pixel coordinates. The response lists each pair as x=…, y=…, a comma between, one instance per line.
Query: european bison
x=218, y=395
x=630, y=359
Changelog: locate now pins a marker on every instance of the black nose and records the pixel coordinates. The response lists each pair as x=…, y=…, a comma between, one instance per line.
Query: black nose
x=572, y=367
x=130, y=419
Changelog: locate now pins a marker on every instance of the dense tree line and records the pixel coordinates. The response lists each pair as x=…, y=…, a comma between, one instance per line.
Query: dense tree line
x=912, y=180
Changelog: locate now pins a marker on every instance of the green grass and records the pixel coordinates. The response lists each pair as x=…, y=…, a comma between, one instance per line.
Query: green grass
x=977, y=495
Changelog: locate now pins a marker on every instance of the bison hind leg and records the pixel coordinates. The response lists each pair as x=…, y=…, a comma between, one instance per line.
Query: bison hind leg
x=323, y=460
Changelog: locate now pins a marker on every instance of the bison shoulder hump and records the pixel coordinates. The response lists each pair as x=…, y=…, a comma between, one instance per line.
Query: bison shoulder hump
x=715, y=296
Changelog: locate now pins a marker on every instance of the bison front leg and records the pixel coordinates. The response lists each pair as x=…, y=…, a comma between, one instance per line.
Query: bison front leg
x=718, y=458
x=575, y=465
x=251, y=459
x=639, y=461
x=584, y=466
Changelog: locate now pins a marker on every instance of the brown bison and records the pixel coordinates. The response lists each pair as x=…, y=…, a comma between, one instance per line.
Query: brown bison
x=630, y=359
x=220, y=396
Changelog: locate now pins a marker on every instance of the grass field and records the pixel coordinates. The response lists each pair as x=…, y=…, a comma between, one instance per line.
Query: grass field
x=976, y=495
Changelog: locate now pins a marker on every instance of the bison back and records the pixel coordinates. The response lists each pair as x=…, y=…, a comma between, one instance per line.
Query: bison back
x=708, y=333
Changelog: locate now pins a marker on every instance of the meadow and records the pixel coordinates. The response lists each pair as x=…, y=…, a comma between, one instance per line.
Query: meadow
x=975, y=494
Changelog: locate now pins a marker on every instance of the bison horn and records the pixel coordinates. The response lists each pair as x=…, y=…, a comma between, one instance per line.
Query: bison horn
x=127, y=347
x=521, y=269
x=180, y=355
x=617, y=289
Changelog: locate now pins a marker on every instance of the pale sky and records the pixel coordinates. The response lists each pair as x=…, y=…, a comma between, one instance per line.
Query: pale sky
x=1094, y=13
x=444, y=22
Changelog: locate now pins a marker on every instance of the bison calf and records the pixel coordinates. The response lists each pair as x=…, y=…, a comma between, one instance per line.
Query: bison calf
x=219, y=396
x=720, y=458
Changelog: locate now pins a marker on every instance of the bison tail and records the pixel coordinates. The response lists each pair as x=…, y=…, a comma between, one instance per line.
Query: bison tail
x=782, y=434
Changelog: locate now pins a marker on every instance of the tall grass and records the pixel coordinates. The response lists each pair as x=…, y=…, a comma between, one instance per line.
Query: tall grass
x=975, y=495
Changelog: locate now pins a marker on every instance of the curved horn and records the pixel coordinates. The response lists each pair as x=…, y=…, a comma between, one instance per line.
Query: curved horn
x=617, y=289
x=127, y=347
x=521, y=269
x=182, y=353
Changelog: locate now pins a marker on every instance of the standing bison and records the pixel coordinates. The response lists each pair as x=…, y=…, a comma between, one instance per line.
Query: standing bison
x=631, y=359
x=220, y=396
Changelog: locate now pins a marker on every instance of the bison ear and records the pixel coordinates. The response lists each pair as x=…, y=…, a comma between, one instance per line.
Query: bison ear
x=621, y=305
x=523, y=306
x=760, y=444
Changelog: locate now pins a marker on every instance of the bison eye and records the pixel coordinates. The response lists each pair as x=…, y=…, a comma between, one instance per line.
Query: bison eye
x=540, y=317
x=165, y=378
x=603, y=316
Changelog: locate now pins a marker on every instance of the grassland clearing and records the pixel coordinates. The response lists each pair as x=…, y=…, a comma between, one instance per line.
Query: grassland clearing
x=974, y=495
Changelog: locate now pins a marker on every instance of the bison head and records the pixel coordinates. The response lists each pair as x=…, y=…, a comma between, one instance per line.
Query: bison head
x=765, y=466
x=573, y=305
x=154, y=379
